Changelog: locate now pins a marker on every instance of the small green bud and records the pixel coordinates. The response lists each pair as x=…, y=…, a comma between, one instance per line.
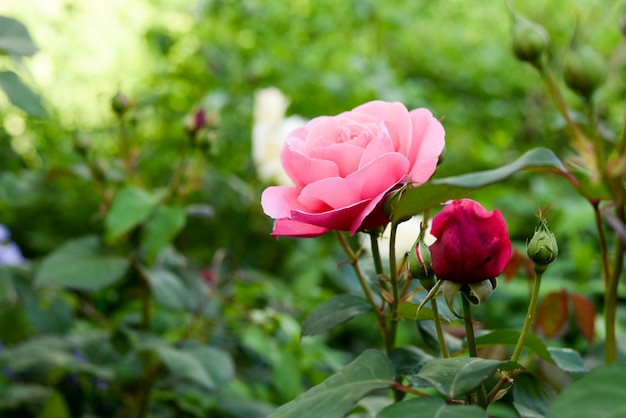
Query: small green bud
x=584, y=70
x=420, y=265
x=529, y=40
x=542, y=248
x=391, y=201
x=120, y=104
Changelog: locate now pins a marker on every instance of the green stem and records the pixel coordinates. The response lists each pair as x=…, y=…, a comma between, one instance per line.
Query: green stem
x=393, y=277
x=469, y=327
x=471, y=345
x=354, y=262
x=604, y=253
x=557, y=97
x=440, y=338
x=530, y=316
x=610, y=295
x=378, y=262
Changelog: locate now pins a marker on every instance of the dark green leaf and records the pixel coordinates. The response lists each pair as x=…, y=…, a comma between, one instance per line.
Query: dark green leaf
x=333, y=312
x=408, y=360
x=532, y=395
x=161, y=229
x=418, y=199
x=81, y=264
x=14, y=38
x=131, y=206
x=430, y=407
x=599, y=393
x=20, y=95
x=338, y=394
x=454, y=377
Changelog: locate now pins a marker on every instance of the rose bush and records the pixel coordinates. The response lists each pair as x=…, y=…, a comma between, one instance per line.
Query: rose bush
x=342, y=167
x=472, y=244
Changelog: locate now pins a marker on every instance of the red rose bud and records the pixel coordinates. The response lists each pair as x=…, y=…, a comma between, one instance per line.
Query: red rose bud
x=472, y=244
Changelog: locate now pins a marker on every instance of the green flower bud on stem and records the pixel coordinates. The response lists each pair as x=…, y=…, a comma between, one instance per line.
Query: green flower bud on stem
x=391, y=201
x=584, y=69
x=420, y=264
x=120, y=104
x=530, y=40
x=542, y=248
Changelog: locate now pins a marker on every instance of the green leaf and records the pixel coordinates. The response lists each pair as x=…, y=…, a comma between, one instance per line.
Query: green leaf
x=510, y=337
x=568, y=360
x=81, y=264
x=54, y=407
x=21, y=95
x=333, y=312
x=217, y=363
x=532, y=396
x=131, y=206
x=454, y=377
x=14, y=38
x=599, y=393
x=161, y=229
x=430, y=407
x=408, y=310
x=168, y=289
x=417, y=199
x=338, y=394
x=184, y=364
x=22, y=394
x=408, y=360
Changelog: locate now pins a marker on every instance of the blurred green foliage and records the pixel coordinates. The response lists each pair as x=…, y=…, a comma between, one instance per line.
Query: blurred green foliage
x=220, y=287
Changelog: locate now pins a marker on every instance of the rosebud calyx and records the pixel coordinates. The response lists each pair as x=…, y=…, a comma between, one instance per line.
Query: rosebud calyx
x=542, y=248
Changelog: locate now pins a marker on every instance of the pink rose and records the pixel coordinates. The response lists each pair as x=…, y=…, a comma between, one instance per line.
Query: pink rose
x=342, y=166
x=472, y=244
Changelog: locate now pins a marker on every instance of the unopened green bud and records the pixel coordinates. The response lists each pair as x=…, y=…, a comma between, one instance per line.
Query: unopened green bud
x=584, y=70
x=542, y=248
x=120, y=104
x=420, y=265
x=530, y=40
x=391, y=201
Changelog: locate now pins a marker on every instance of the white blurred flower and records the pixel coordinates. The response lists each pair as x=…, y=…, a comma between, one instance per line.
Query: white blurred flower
x=269, y=132
x=406, y=235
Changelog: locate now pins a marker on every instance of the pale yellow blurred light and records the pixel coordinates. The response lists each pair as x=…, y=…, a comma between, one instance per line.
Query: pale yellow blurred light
x=88, y=49
x=22, y=144
x=14, y=124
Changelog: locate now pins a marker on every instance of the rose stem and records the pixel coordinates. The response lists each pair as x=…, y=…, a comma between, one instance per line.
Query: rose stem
x=442, y=342
x=471, y=345
x=354, y=262
x=393, y=277
x=378, y=263
x=532, y=307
